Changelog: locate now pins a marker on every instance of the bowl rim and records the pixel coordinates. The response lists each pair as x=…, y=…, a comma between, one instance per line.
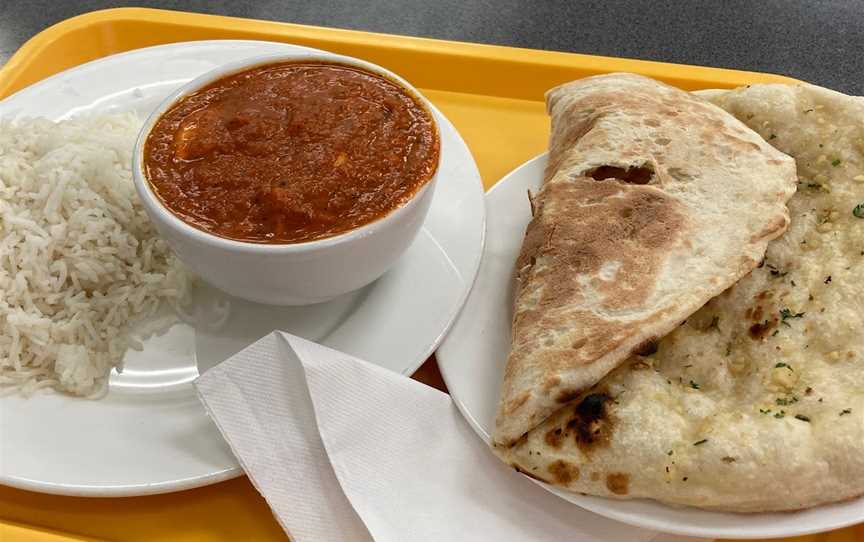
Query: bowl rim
x=155, y=205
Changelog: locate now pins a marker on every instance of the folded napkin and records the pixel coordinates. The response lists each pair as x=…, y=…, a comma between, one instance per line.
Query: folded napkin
x=344, y=450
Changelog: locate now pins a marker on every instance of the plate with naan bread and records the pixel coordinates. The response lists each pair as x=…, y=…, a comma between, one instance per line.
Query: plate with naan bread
x=668, y=324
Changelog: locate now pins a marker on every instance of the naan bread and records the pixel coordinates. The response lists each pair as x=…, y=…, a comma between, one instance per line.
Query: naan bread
x=756, y=403
x=654, y=202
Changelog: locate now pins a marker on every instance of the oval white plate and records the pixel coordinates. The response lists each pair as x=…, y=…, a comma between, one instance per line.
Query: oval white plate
x=150, y=434
x=473, y=356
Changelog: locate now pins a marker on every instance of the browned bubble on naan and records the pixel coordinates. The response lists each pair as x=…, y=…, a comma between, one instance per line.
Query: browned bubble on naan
x=654, y=201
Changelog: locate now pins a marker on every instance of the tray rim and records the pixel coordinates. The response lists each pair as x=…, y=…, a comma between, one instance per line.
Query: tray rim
x=20, y=63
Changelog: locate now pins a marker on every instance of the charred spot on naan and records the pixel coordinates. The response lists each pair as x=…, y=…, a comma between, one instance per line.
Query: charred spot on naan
x=754, y=313
x=590, y=424
x=646, y=348
x=760, y=330
x=555, y=437
x=618, y=483
x=563, y=472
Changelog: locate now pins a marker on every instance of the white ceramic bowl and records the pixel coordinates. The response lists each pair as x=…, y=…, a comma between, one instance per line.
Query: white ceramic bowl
x=295, y=273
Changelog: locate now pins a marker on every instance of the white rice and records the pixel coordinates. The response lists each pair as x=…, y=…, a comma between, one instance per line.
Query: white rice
x=80, y=263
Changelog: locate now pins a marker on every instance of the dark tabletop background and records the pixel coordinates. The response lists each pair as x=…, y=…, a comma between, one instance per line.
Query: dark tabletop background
x=821, y=41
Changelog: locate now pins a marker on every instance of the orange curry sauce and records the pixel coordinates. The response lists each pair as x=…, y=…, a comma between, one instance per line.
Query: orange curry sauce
x=291, y=152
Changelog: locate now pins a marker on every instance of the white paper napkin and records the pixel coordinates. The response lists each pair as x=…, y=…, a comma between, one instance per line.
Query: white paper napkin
x=344, y=450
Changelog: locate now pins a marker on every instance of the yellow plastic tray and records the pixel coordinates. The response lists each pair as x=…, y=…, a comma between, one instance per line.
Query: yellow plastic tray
x=494, y=96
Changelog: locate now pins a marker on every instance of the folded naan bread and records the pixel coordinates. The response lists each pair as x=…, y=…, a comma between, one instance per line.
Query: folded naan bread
x=654, y=202
x=756, y=403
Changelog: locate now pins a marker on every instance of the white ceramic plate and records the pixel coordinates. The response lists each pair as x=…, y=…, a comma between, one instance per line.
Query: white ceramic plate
x=472, y=362
x=150, y=434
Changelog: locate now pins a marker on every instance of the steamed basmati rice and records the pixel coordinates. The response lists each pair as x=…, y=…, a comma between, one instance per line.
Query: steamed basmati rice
x=80, y=263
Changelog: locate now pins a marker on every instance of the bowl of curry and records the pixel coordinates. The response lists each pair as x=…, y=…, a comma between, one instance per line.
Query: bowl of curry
x=290, y=179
